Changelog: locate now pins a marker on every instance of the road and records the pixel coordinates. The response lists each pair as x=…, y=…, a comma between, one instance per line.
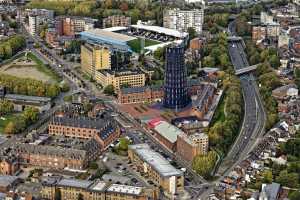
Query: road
x=253, y=124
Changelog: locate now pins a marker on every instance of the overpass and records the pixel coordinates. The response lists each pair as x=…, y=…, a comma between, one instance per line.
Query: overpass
x=245, y=70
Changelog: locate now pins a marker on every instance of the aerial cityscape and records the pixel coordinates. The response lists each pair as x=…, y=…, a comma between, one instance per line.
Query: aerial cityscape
x=149, y=100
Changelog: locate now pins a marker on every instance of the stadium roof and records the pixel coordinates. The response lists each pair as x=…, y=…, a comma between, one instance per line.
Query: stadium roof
x=116, y=41
x=116, y=28
x=108, y=35
x=153, y=48
x=161, y=30
x=155, y=160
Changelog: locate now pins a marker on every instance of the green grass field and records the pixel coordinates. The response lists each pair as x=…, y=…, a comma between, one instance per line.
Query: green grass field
x=136, y=44
x=4, y=120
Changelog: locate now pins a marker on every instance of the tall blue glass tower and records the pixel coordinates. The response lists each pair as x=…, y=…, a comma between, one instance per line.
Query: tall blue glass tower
x=175, y=88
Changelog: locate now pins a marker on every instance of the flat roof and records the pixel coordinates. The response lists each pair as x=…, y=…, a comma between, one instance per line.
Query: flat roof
x=155, y=160
x=116, y=28
x=75, y=183
x=125, y=189
x=161, y=30
x=168, y=131
x=98, y=186
x=108, y=35
x=27, y=98
x=6, y=181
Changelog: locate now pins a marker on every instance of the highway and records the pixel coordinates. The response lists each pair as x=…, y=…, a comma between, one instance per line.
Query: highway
x=253, y=124
x=254, y=114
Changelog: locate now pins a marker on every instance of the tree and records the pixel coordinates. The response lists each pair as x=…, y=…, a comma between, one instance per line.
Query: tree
x=288, y=179
x=109, y=90
x=208, y=61
x=267, y=176
x=10, y=128
x=203, y=164
x=30, y=115
x=274, y=61
x=123, y=144
x=295, y=195
x=192, y=32
x=159, y=54
x=93, y=165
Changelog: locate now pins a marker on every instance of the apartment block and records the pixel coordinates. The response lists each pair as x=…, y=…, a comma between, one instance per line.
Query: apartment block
x=72, y=189
x=181, y=20
x=116, y=20
x=69, y=26
x=95, y=57
x=189, y=146
x=34, y=24
x=104, y=131
x=156, y=168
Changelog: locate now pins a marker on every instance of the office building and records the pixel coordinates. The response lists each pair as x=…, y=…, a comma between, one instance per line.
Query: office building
x=116, y=20
x=189, y=146
x=181, y=20
x=156, y=168
x=95, y=57
x=132, y=78
x=175, y=88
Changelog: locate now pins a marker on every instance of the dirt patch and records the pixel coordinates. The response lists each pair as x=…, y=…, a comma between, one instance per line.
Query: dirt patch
x=27, y=72
x=25, y=69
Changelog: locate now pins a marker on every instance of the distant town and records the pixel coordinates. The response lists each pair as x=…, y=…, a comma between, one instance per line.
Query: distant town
x=149, y=100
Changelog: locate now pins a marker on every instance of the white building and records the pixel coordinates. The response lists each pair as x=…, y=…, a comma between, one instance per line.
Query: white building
x=181, y=20
x=33, y=24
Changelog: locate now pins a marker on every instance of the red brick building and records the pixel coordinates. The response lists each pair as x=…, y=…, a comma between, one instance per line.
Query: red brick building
x=189, y=146
x=104, y=131
x=152, y=94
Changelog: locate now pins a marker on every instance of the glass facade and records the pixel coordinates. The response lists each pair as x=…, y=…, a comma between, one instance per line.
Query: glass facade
x=175, y=88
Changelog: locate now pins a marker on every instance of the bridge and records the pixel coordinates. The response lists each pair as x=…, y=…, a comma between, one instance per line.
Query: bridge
x=245, y=70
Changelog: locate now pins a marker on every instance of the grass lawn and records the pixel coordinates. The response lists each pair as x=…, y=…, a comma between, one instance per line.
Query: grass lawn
x=4, y=120
x=40, y=66
x=136, y=44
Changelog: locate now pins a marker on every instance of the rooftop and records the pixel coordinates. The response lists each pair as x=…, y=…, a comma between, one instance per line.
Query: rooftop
x=125, y=189
x=168, y=131
x=82, y=122
x=75, y=183
x=6, y=181
x=155, y=160
x=27, y=98
x=98, y=186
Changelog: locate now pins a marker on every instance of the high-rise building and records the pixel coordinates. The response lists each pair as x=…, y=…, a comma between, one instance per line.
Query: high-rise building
x=176, y=91
x=181, y=20
x=33, y=24
x=95, y=57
